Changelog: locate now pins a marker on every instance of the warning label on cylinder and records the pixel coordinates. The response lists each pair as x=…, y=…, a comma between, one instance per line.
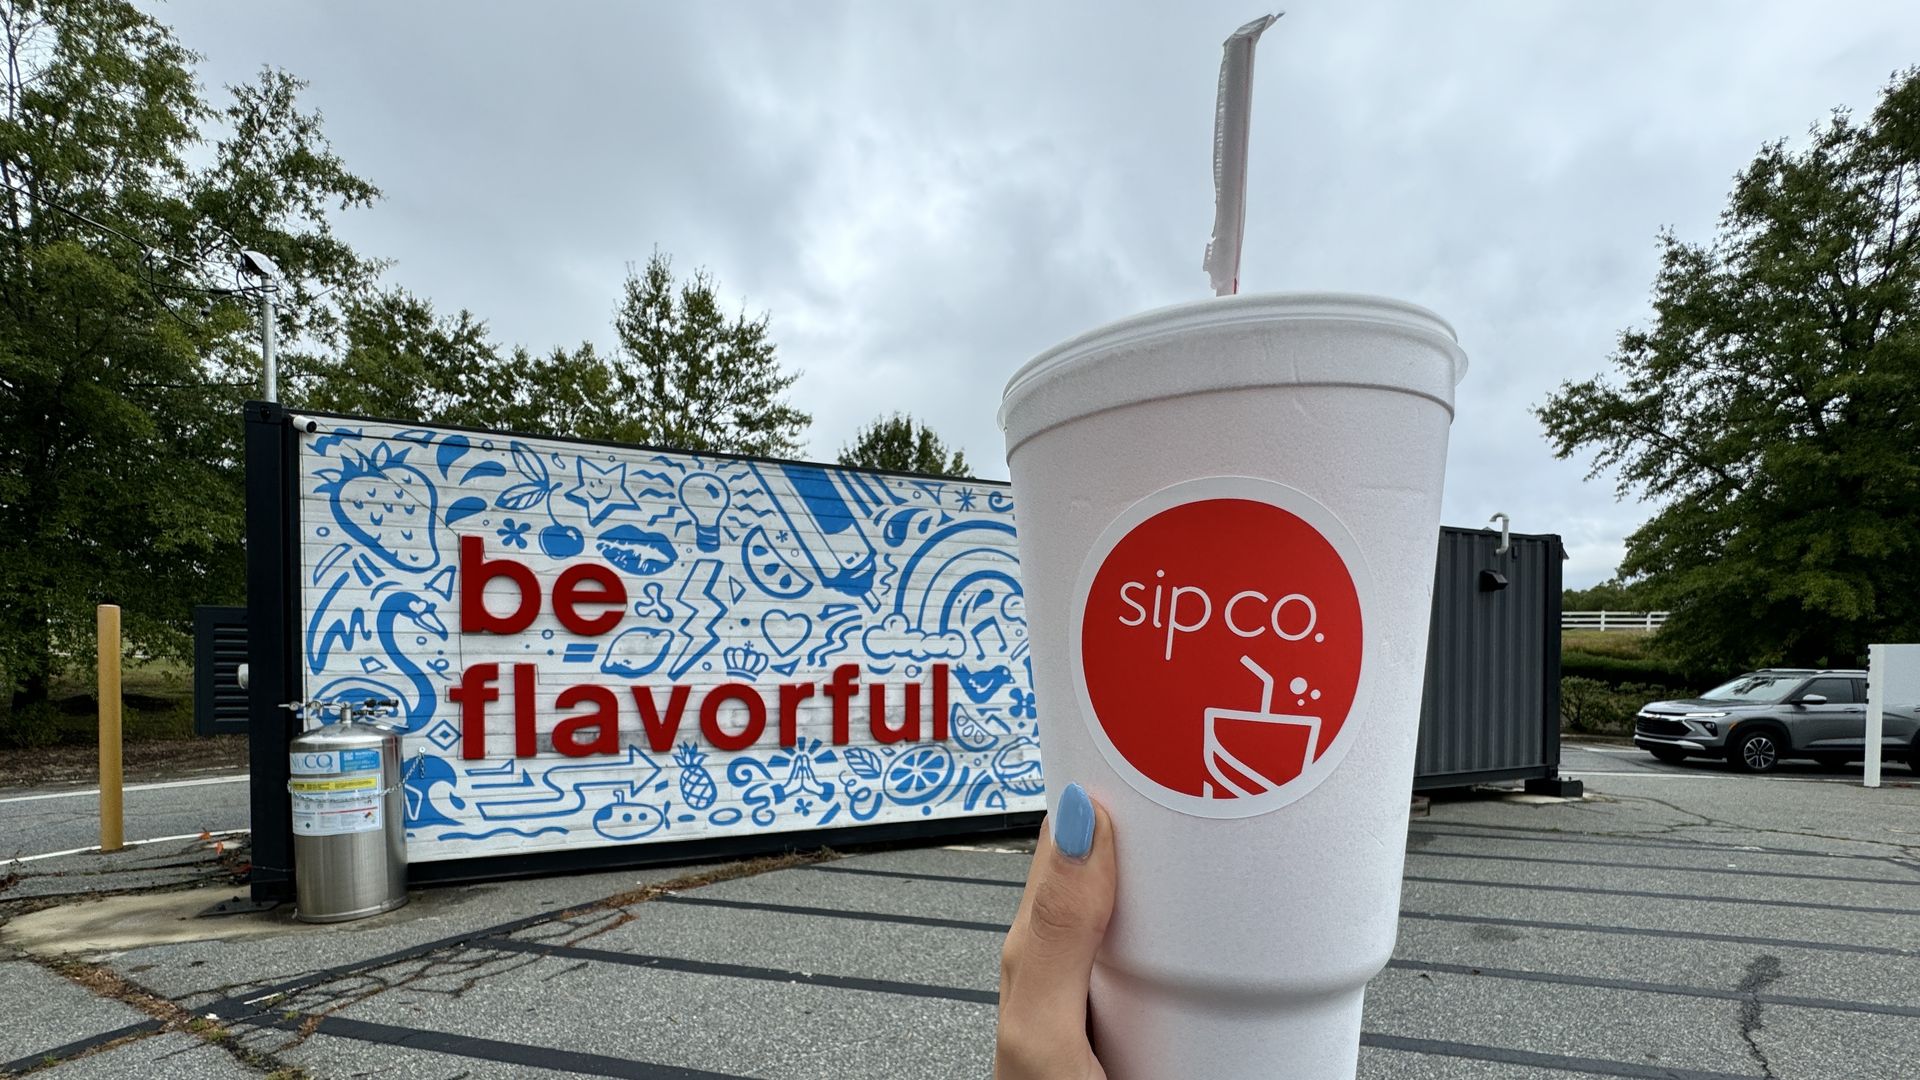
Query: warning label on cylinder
x=330, y=812
x=335, y=783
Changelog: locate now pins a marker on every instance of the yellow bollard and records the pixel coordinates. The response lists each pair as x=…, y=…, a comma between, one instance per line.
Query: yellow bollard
x=111, y=811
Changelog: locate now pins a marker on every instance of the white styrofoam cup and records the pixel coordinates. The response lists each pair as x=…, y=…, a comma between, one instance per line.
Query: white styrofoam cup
x=1228, y=513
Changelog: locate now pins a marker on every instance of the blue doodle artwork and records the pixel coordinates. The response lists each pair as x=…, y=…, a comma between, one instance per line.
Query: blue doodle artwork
x=769, y=660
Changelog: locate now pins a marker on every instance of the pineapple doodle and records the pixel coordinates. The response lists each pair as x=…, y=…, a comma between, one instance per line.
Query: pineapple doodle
x=696, y=784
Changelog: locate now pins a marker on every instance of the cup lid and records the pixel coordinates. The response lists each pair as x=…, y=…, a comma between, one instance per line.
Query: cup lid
x=1228, y=313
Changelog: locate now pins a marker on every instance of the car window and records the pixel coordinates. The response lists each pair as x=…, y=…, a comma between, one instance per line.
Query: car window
x=1758, y=689
x=1859, y=690
x=1836, y=691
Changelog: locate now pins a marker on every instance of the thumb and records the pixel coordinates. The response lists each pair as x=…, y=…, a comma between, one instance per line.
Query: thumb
x=1048, y=959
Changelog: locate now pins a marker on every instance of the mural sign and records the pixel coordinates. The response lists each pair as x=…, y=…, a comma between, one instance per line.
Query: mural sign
x=598, y=645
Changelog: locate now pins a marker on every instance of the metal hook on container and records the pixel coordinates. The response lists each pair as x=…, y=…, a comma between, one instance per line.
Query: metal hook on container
x=1506, y=535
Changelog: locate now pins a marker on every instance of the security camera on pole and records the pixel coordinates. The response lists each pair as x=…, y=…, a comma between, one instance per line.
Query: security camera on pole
x=257, y=268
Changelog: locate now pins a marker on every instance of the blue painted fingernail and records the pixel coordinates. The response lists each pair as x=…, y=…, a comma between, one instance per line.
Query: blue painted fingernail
x=1073, y=823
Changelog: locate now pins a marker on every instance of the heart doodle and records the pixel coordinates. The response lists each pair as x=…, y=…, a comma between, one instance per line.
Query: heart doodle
x=785, y=632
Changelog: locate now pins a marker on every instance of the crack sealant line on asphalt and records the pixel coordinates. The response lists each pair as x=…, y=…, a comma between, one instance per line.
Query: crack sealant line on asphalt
x=78, y=1047
x=244, y=1007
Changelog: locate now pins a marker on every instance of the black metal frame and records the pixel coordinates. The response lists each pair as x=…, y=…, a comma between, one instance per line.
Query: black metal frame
x=585, y=860
x=272, y=639
x=1545, y=774
x=642, y=447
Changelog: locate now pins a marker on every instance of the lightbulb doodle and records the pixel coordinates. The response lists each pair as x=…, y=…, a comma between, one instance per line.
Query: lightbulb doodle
x=735, y=572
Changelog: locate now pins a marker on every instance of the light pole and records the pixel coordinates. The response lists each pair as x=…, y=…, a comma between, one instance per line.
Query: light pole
x=259, y=267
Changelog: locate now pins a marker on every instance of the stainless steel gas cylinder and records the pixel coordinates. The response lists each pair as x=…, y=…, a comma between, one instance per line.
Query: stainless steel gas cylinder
x=349, y=823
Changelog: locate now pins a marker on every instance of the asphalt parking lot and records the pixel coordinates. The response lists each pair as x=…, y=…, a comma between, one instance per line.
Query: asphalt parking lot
x=1681, y=923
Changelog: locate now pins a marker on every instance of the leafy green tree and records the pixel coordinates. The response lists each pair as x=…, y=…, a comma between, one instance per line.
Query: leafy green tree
x=399, y=359
x=1772, y=409
x=125, y=351
x=1607, y=596
x=899, y=443
x=688, y=377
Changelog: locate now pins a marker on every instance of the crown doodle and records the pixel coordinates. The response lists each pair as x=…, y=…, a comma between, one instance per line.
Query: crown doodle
x=744, y=661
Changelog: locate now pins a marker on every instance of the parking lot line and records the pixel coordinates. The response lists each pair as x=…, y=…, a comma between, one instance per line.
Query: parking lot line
x=955, y=879
x=1594, y=890
x=130, y=843
x=1558, y=1062
x=1614, y=864
x=741, y=971
x=1642, y=931
x=1549, y=836
x=202, y=782
x=1661, y=774
x=78, y=1047
x=1638, y=986
x=835, y=913
x=496, y=1050
x=1479, y=920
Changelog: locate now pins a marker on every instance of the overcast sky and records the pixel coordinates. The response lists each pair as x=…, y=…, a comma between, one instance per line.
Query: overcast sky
x=923, y=196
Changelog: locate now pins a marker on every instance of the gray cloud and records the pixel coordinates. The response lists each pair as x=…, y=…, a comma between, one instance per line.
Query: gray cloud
x=924, y=196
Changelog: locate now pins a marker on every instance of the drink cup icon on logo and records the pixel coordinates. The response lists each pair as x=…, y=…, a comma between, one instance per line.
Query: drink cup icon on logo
x=1188, y=591
x=1232, y=775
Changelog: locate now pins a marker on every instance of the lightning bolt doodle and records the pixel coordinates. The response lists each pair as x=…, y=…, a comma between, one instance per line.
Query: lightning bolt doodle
x=690, y=650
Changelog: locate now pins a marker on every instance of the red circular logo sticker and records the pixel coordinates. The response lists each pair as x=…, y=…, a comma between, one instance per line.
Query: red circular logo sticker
x=1218, y=644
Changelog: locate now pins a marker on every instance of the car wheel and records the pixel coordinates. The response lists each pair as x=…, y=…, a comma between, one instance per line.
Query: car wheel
x=1756, y=752
x=1913, y=756
x=1672, y=755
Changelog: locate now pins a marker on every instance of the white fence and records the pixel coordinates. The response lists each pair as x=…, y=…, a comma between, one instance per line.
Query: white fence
x=1612, y=620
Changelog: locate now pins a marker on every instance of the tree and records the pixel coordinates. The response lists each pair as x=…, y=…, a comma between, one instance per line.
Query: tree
x=400, y=360
x=125, y=350
x=1772, y=409
x=897, y=442
x=688, y=378
x=1606, y=596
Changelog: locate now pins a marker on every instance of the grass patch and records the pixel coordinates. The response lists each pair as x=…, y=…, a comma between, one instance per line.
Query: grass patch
x=156, y=704
x=1620, y=644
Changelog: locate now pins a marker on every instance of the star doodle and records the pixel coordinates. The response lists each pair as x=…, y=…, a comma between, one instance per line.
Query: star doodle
x=965, y=499
x=601, y=491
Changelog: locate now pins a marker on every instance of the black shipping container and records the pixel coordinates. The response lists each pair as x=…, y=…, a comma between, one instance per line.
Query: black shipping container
x=1491, y=710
